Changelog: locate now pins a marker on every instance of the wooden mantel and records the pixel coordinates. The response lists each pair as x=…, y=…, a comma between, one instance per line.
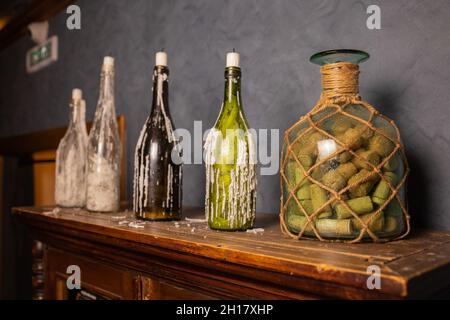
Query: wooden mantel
x=185, y=259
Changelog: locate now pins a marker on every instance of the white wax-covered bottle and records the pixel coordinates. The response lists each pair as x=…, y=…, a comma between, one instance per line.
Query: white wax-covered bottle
x=70, y=182
x=104, y=148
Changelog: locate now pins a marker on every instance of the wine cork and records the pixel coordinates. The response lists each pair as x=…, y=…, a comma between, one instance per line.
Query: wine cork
x=307, y=206
x=292, y=208
x=333, y=227
x=318, y=198
x=308, y=143
x=382, y=190
x=306, y=160
x=375, y=225
x=300, y=177
x=359, y=205
x=365, y=132
x=362, y=189
x=390, y=224
x=303, y=193
x=347, y=170
x=394, y=209
x=369, y=155
x=296, y=223
x=344, y=157
x=341, y=124
x=333, y=180
x=392, y=164
x=290, y=172
x=381, y=145
x=317, y=174
x=351, y=138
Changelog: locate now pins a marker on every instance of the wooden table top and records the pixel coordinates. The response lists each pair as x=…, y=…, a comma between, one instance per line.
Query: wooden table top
x=413, y=267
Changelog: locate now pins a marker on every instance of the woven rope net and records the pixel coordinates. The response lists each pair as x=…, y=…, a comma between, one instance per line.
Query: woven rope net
x=351, y=194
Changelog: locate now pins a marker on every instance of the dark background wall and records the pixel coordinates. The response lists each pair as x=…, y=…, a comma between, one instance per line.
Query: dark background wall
x=407, y=77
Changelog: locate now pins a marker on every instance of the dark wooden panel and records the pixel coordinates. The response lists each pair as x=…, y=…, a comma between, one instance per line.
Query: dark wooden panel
x=97, y=278
x=15, y=242
x=259, y=265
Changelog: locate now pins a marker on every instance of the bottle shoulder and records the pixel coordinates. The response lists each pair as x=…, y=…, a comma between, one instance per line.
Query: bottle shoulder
x=159, y=126
x=72, y=142
x=104, y=127
x=152, y=134
x=232, y=118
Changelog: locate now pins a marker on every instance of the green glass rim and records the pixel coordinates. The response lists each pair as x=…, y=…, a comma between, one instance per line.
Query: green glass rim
x=339, y=55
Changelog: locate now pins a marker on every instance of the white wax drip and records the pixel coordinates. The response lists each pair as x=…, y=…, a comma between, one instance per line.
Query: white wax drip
x=102, y=185
x=239, y=201
x=142, y=174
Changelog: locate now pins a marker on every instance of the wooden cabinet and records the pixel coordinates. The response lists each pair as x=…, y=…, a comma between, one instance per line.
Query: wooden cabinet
x=120, y=258
x=102, y=280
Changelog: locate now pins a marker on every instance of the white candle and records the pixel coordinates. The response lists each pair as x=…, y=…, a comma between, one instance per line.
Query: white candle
x=326, y=148
x=77, y=94
x=108, y=63
x=232, y=59
x=161, y=59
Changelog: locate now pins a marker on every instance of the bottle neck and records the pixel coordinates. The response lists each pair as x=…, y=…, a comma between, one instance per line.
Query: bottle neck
x=77, y=116
x=107, y=86
x=232, y=92
x=160, y=89
x=340, y=79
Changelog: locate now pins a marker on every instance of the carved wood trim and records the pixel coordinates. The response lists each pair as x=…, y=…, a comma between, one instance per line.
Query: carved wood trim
x=37, y=269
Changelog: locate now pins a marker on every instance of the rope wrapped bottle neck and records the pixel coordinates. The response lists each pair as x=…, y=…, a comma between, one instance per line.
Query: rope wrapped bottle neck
x=340, y=79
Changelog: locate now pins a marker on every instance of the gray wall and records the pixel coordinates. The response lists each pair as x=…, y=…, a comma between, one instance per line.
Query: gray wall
x=407, y=77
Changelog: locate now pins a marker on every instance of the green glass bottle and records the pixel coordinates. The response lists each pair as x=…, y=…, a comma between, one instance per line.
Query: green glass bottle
x=230, y=200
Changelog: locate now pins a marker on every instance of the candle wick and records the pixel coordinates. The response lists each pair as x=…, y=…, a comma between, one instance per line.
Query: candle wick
x=234, y=50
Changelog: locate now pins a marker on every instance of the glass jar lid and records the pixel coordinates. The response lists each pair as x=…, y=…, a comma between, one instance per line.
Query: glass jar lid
x=339, y=55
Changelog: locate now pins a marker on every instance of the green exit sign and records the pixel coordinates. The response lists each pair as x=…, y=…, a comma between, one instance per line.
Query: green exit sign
x=42, y=55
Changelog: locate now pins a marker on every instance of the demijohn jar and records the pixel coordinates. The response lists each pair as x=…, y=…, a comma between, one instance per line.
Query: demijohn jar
x=343, y=166
x=230, y=162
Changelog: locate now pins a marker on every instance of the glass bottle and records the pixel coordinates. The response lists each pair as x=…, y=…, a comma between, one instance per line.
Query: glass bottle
x=104, y=148
x=70, y=184
x=83, y=120
x=343, y=166
x=230, y=200
x=158, y=169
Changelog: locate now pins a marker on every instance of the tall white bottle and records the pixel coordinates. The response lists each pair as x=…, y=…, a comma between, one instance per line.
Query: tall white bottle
x=104, y=148
x=70, y=175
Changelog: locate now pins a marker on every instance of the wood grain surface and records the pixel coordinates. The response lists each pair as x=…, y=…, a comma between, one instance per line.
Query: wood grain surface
x=418, y=266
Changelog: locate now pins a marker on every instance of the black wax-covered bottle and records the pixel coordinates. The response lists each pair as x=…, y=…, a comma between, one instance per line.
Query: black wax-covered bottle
x=158, y=168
